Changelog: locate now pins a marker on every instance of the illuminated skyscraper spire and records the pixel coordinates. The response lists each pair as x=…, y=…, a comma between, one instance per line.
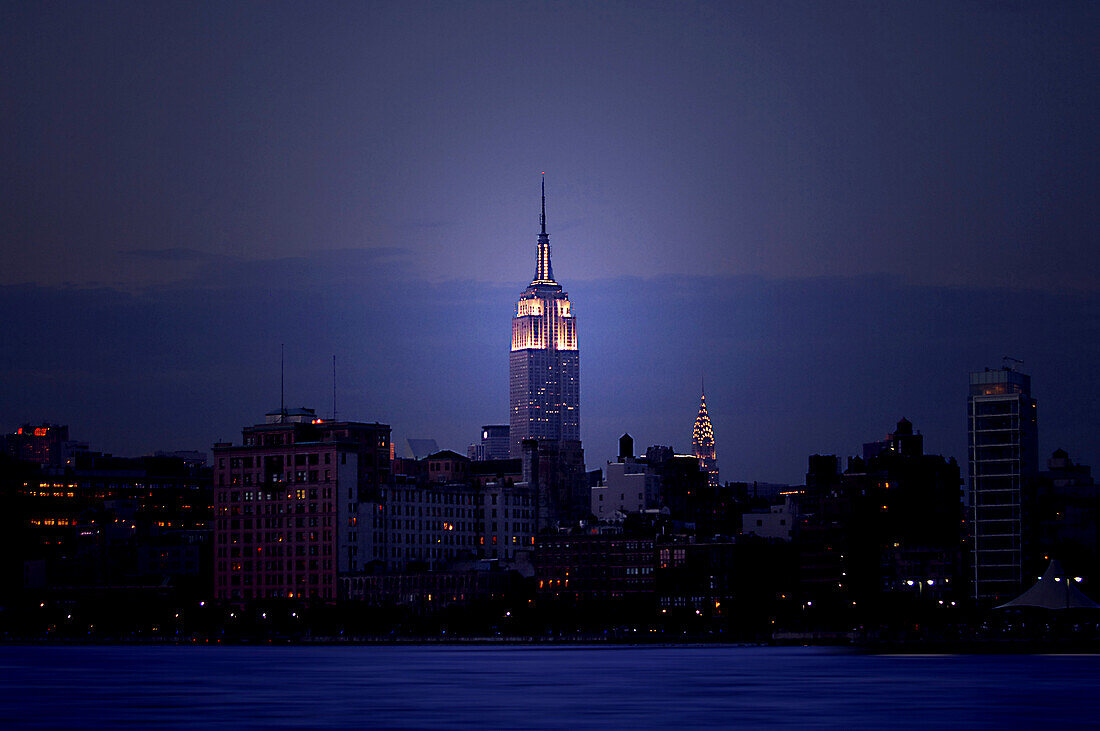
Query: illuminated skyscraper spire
x=544, y=272
x=702, y=441
x=544, y=363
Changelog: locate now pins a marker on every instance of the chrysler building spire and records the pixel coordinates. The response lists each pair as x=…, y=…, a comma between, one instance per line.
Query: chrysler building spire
x=702, y=441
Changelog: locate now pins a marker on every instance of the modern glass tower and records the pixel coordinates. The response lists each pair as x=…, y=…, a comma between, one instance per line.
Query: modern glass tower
x=544, y=366
x=1003, y=456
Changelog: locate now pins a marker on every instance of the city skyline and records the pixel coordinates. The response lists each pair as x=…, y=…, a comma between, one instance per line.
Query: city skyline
x=280, y=391
x=863, y=398
x=843, y=211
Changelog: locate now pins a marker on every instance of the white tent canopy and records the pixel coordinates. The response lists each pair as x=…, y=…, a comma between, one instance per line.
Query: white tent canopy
x=1053, y=590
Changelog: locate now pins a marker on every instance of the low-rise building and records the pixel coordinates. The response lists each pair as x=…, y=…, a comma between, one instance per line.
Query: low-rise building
x=622, y=491
x=427, y=591
x=776, y=522
x=428, y=526
x=886, y=530
x=494, y=445
x=98, y=523
x=595, y=566
x=1062, y=519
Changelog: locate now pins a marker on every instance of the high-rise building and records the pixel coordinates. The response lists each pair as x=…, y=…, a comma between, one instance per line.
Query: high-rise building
x=702, y=441
x=544, y=366
x=494, y=444
x=1003, y=455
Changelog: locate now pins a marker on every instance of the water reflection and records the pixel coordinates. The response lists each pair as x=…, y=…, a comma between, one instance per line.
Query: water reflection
x=539, y=687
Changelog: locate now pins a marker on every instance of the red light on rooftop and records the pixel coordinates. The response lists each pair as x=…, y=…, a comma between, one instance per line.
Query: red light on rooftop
x=39, y=432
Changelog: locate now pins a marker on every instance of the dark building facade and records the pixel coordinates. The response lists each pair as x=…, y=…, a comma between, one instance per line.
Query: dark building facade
x=420, y=525
x=287, y=505
x=679, y=484
x=1062, y=520
x=41, y=443
x=104, y=521
x=554, y=472
x=1003, y=457
x=425, y=592
x=583, y=568
x=885, y=532
x=494, y=444
x=737, y=582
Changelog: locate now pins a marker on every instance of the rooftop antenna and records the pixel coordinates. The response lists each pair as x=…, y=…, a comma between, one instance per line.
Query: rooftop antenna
x=542, y=218
x=282, y=382
x=334, y=387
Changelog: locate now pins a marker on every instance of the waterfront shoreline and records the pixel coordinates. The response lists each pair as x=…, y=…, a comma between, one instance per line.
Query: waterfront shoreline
x=877, y=647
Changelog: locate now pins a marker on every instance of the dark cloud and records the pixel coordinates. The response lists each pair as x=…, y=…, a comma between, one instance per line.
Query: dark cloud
x=172, y=255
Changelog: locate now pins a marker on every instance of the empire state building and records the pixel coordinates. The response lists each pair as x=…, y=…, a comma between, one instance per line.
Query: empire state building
x=544, y=365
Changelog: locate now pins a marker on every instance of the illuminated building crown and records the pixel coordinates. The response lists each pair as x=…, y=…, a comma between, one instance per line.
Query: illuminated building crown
x=544, y=318
x=702, y=441
x=702, y=436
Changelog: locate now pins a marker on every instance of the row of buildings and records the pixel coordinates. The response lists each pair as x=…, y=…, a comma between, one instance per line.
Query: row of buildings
x=306, y=509
x=84, y=527
x=311, y=510
x=895, y=525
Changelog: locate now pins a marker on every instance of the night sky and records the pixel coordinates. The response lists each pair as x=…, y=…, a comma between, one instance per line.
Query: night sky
x=833, y=210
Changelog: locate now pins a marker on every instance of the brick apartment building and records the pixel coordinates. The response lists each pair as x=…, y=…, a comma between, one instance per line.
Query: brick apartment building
x=287, y=505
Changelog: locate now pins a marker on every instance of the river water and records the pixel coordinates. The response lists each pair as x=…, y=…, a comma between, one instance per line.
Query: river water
x=546, y=686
